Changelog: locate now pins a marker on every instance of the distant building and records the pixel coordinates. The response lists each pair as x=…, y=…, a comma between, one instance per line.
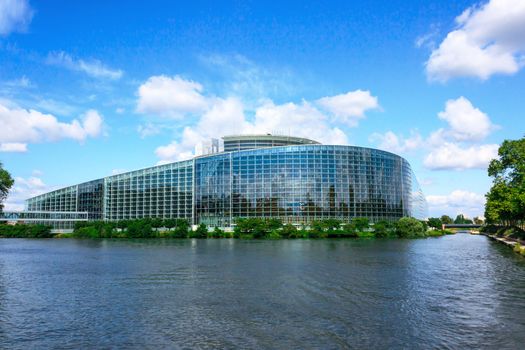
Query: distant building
x=295, y=179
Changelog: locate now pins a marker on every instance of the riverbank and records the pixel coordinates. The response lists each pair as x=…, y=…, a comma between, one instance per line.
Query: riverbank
x=249, y=228
x=512, y=237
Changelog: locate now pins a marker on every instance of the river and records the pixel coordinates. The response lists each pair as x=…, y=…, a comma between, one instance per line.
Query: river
x=458, y=291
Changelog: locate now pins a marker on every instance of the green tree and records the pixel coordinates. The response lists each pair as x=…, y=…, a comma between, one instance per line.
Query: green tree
x=382, y=229
x=435, y=223
x=360, y=224
x=506, y=198
x=6, y=182
x=445, y=219
x=461, y=220
x=409, y=228
x=200, y=232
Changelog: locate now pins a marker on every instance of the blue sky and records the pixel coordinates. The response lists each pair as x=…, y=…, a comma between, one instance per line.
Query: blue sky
x=92, y=88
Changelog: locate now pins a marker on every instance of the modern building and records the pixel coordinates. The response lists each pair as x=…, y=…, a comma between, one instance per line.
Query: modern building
x=295, y=179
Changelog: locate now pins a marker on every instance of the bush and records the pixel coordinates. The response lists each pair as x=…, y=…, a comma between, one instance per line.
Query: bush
x=25, y=231
x=139, y=229
x=382, y=229
x=86, y=232
x=200, y=232
x=409, y=228
x=216, y=233
x=289, y=231
x=273, y=235
x=360, y=224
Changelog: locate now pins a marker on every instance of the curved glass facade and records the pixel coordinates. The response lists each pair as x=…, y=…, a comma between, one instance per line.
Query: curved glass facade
x=297, y=184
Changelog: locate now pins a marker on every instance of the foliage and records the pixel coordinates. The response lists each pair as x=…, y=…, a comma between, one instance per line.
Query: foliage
x=506, y=199
x=478, y=221
x=435, y=223
x=200, y=232
x=25, y=231
x=409, y=228
x=360, y=224
x=289, y=231
x=445, y=220
x=462, y=220
x=383, y=229
x=6, y=182
x=139, y=229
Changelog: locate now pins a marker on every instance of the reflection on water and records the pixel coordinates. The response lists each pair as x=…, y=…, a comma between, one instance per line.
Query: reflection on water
x=452, y=292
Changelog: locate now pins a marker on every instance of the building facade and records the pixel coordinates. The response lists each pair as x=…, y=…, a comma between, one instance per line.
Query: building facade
x=293, y=179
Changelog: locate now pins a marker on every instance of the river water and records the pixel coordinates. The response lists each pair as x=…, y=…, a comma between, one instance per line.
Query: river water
x=458, y=291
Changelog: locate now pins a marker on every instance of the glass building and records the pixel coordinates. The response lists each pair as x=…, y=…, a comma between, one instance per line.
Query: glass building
x=293, y=179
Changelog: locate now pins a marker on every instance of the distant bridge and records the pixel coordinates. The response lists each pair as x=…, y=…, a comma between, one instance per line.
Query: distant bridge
x=466, y=226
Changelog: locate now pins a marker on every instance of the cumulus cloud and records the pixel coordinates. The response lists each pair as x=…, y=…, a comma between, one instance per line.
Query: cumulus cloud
x=350, y=107
x=226, y=116
x=25, y=188
x=175, y=97
x=466, y=123
x=93, y=68
x=456, y=147
x=15, y=16
x=170, y=97
x=13, y=147
x=453, y=156
x=391, y=142
x=457, y=202
x=489, y=39
x=21, y=126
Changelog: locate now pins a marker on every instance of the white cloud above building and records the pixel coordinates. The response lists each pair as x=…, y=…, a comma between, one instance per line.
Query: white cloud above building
x=488, y=39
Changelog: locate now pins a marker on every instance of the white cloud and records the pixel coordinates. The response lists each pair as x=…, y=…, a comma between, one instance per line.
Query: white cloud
x=170, y=97
x=226, y=116
x=21, y=126
x=148, y=129
x=296, y=119
x=13, y=147
x=457, y=202
x=453, y=156
x=350, y=107
x=466, y=122
x=389, y=141
x=22, y=189
x=15, y=16
x=175, y=97
x=454, y=147
x=93, y=68
x=489, y=39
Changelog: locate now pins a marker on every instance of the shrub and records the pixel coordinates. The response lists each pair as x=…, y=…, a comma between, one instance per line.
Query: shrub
x=25, y=231
x=216, y=233
x=409, y=228
x=139, y=229
x=289, y=231
x=200, y=232
x=382, y=229
x=360, y=224
x=273, y=235
x=86, y=232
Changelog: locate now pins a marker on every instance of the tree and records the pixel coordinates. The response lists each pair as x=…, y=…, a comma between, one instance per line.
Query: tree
x=506, y=198
x=6, y=182
x=445, y=219
x=460, y=219
x=478, y=220
x=200, y=232
x=435, y=223
x=409, y=228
